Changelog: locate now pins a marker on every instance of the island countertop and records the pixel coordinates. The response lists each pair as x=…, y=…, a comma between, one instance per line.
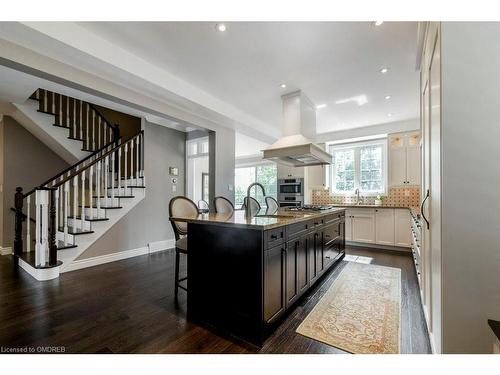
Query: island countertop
x=260, y=221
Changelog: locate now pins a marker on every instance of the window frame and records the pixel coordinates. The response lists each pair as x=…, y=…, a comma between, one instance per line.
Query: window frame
x=357, y=146
x=255, y=165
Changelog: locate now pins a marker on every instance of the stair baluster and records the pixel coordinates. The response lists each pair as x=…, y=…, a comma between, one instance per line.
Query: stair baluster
x=119, y=170
x=91, y=196
x=81, y=120
x=28, y=224
x=112, y=178
x=98, y=189
x=125, y=170
x=82, y=214
x=75, y=200
x=66, y=211
x=106, y=172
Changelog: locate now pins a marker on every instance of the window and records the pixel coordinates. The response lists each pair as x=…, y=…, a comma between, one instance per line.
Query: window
x=266, y=174
x=360, y=166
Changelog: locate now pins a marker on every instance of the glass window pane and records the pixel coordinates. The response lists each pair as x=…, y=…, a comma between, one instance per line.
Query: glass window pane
x=371, y=169
x=344, y=170
x=243, y=177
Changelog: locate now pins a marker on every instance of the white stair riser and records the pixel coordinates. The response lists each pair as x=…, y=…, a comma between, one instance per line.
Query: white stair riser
x=78, y=223
x=69, y=237
x=94, y=212
x=106, y=202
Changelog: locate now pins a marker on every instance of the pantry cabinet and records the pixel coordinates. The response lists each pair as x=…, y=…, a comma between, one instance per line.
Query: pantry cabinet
x=404, y=159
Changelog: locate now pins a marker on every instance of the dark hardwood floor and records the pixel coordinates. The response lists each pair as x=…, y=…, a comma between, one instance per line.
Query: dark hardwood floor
x=128, y=307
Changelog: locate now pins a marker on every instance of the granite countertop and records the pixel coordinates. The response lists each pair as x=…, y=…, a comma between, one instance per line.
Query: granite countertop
x=238, y=219
x=354, y=205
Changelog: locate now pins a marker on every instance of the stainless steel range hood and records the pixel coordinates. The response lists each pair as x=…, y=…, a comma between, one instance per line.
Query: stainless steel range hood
x=295, y=148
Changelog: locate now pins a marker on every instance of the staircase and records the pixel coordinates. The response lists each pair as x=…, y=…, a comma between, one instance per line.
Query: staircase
x=59, y=219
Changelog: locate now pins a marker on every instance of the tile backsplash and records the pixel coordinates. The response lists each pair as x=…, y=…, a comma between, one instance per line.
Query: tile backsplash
x=398, y=196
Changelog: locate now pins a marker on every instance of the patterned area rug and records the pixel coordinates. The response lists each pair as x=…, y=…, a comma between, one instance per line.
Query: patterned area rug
x=361, y=312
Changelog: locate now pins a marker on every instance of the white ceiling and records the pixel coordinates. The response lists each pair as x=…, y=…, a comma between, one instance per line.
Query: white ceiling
x=244, y=66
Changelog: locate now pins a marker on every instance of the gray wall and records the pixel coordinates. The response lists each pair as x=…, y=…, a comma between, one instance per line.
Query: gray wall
x=470, y=185
x=27, y=163
x=224, y=163
x=148, y=221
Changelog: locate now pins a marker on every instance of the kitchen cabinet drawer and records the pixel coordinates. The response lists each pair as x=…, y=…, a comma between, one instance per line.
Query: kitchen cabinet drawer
x=298, y=229
x=274, y=237
x=330, y=233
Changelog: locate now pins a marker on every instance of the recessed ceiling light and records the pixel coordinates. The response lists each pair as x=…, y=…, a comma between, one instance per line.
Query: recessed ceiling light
x=319, y=106
x=389, y=115
x=220, y=27
x=387, y=97
x=378, y=23
x=384, y=70
x=283, y=85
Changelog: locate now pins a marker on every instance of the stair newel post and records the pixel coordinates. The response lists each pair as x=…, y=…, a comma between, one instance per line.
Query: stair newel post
x=18, y=204
x=52, y=229
x=42, y=227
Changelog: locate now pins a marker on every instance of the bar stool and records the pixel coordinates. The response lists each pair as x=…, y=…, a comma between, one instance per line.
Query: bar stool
x=223, y=205
x=180, y=207
x=272, y=206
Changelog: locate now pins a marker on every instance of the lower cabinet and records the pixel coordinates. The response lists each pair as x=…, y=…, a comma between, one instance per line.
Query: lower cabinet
x=296, y=268
x=291, y=267
x=384, y=226
x=363, y=225
x=274, y=283
x=402, y=227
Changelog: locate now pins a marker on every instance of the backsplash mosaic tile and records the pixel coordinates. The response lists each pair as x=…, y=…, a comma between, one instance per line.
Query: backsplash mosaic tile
x=398, y=196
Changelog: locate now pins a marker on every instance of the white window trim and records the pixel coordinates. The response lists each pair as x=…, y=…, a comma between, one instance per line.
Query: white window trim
x=329, y=172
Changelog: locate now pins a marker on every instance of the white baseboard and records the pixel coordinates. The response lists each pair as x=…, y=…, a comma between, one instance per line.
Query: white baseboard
x=40, y=274
x=5, y=250
x=161, y=245
x=152, y=247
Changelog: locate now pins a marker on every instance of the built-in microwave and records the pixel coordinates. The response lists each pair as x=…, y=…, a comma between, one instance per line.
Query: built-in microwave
x=293, y=186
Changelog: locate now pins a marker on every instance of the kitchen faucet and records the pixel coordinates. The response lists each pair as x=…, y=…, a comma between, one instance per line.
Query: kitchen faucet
x=358, y=198
x=248, y=211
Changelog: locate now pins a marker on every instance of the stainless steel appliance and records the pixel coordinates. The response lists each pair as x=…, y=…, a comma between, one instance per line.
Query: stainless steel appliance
x=291, y=192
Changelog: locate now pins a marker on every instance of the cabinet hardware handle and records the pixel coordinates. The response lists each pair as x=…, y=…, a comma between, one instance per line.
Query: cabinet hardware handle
x=274, y=237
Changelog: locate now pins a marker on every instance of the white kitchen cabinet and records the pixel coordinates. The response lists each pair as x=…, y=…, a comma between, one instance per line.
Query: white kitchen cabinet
x=384, y=226
x=404, y=159
x=363, y=225
x=348, y=225
x=402, y=227
x=285, y=171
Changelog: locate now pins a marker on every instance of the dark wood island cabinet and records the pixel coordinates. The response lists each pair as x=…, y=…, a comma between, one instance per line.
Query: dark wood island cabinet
x=245, y=274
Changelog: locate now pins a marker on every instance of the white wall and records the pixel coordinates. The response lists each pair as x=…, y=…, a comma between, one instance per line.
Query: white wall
x=224, y=163
x=470, y=184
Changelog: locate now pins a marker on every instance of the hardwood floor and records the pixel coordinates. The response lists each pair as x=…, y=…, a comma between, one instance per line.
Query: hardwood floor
x=128, y=307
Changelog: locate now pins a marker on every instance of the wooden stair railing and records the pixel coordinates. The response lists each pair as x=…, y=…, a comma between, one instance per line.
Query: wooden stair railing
x=65, y=205
x=83, y=120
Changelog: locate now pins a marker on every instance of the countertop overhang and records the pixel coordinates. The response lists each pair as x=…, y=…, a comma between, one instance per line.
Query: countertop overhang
x=238, y=218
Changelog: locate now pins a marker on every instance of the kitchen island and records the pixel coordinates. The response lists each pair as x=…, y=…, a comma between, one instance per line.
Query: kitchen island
x=244, y=274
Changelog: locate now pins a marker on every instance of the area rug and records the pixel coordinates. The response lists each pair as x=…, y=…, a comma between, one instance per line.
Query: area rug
x=361, y=311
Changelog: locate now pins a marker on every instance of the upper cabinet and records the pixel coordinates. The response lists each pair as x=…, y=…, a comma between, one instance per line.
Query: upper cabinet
x=404, y=159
